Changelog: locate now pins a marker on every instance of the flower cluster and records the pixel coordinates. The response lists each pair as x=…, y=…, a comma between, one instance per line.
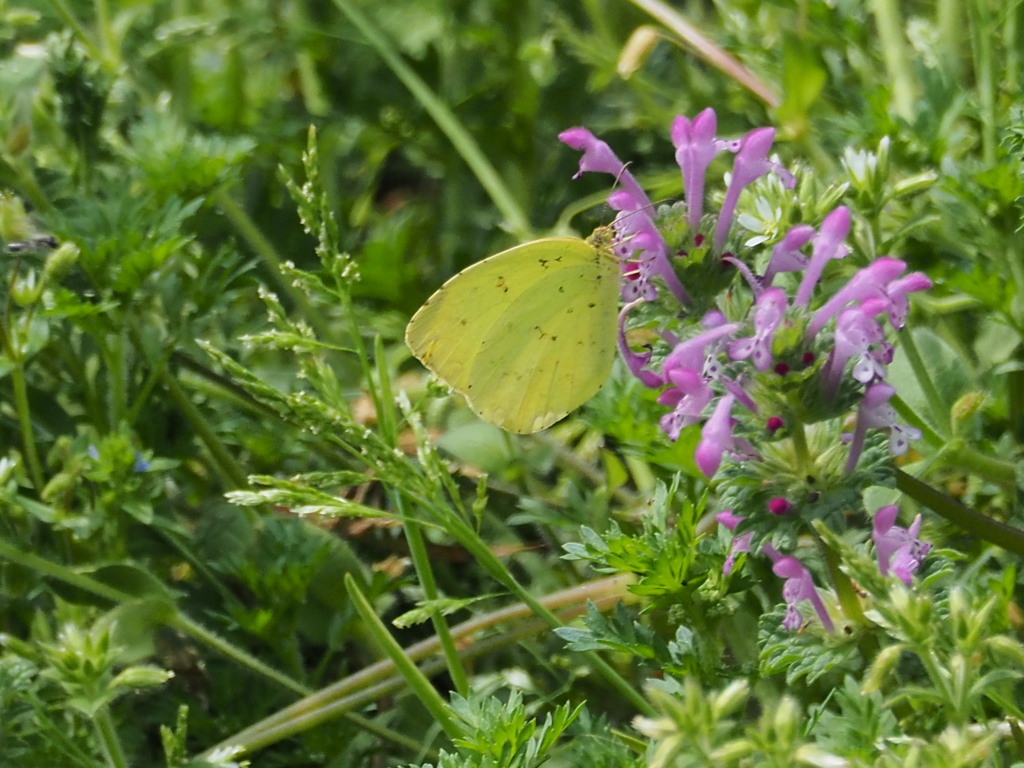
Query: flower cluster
x=775, y=374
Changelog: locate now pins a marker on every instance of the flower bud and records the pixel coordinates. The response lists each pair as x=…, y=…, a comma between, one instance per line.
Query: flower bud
x=880, y=669
x=26, y=289
x=60, y=262
x=636, y=50
x=141, y=677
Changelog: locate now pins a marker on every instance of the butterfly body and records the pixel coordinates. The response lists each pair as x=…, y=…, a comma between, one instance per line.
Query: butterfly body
x=527, y=335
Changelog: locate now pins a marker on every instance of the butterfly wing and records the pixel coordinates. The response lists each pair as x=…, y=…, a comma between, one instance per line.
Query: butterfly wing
x=527, y=335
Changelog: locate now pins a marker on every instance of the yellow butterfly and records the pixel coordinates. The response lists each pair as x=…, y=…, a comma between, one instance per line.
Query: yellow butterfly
x=527, y=335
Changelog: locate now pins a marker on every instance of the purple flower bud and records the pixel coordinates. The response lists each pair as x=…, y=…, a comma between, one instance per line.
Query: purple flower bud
x=730, y=520
x=779, y=506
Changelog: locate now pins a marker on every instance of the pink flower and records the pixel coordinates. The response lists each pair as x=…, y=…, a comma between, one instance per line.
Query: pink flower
x=899, y=550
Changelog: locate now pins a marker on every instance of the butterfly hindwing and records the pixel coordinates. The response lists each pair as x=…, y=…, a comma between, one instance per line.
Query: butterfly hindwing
x=527, y=335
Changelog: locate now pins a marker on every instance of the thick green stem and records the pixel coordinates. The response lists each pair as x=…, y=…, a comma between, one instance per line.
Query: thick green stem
x=236, y=654
x=28, y=438
x=799, y=441
x=965, y=458
x=982, y=31
x=469, y=538
x=109, y=739
x=1009, y=538
x=847, y=595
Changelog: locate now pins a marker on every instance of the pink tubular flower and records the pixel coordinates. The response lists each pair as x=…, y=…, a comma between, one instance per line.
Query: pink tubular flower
x=899, y=550
x=688, y=396
x=768, y=312
x=858, y=335
x=786, y=256
x=635, y=230
x=897, y=292
x=828, y=245
x=683, y=370
x=598, y=157
x=876, y=413
x=740, y=544
x=751, y=164
x=716, y=437
x=798, y=586
x=868, y=283
x=696, y=146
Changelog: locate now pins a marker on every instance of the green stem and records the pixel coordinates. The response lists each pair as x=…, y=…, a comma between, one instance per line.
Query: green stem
x=380, y=679
x=889, y=27
x=104, y=30
x=425, y=573
x=1011, y=68
x=232, y=469
x=847, y=595
x=982, y=29
x=419, y=682
x=176, y=619
x=950, y=24
x=109, y=739
x=263, y=248
x=87, y=42
x=1009, y=538
x=461, y=140
x=469, y=538
x=799, y=441
x=936, y=407
x=46, y=568
x=117, y=398
x=182, y=622
x=28, y=438
x=963, y=457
